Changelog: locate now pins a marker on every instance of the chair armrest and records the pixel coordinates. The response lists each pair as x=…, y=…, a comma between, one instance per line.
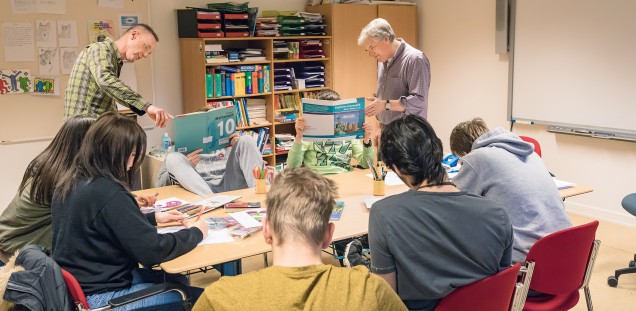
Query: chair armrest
x=148, y=292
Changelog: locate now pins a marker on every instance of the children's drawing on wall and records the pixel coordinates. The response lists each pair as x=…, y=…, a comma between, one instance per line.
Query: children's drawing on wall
x=67, y=33
x=44, y=86
x=49, y=61
x=100, y=27
x=45, y=33
x=15, y=81
x=68, y=59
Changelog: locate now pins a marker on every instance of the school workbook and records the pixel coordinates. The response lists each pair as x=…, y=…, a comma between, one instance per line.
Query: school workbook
x=207, y=130
x=333, y=120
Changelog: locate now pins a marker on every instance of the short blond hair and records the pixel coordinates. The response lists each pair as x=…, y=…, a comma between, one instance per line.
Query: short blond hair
x=377, y=30
x=299, y=205
x=464, y=135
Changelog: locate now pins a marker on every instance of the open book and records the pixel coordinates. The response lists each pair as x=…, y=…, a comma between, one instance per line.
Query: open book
x=207, y=130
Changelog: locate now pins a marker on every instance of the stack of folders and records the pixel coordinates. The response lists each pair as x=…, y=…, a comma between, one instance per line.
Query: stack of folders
x=314, y=25
x=236, y=24
x=267, y=27
x=209, y=24
x=283, y=79
x=313, y=74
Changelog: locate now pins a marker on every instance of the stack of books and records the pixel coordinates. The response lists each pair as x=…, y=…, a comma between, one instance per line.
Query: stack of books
x=214, y=54
x=267, y=27
x=257, y=111
x=284, y=143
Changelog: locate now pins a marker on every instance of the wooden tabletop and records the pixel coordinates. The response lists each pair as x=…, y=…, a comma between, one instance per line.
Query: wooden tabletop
x=354, y=187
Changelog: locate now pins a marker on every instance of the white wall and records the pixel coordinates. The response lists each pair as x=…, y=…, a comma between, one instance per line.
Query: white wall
x=469, y=80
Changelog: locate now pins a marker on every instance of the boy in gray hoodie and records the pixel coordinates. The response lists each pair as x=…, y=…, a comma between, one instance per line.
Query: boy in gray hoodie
x=500, y=166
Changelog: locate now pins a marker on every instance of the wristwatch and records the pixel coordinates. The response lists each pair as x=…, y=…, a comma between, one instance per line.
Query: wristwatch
x=365, y=144
x=388, y=105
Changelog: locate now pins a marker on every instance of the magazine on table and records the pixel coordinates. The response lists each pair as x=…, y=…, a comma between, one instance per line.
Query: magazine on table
x=333, y=120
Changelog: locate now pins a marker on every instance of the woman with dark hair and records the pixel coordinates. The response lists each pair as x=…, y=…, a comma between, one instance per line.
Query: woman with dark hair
x=433, y=238
x=27, y=219
x=99, y=234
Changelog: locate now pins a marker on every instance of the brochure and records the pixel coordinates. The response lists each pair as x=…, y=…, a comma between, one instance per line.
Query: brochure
x=336, y=213
x=333, y=120
x=208, y=204
x=207, y=130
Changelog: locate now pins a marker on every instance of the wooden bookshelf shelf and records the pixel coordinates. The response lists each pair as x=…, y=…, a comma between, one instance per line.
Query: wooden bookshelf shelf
x=194, y=69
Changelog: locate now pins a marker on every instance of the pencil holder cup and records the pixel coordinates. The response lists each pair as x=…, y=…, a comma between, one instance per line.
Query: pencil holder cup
x=261, y=186
x=378, y=187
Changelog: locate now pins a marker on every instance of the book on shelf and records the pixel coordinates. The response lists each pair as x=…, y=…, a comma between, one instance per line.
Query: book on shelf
x=208, y=130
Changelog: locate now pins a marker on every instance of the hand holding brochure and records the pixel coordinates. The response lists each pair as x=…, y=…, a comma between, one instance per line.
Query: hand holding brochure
x=333, y=120
x=207, y=130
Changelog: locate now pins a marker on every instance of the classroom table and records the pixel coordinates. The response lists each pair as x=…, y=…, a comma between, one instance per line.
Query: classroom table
x=354, y=187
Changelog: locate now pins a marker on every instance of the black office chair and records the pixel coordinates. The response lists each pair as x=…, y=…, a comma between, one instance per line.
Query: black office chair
x=629, y=204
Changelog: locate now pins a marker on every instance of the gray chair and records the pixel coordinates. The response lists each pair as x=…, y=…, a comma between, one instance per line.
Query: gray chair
x=629, y=204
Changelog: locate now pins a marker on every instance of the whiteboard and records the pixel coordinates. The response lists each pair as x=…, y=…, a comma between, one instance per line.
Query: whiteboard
x=25, y=117
x=574, y=63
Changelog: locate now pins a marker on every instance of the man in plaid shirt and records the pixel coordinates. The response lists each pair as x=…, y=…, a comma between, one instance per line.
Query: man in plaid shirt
x=94, y=85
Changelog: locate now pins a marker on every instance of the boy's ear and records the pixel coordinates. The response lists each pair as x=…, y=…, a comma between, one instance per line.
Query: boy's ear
x=267, y=232
x=326, y=240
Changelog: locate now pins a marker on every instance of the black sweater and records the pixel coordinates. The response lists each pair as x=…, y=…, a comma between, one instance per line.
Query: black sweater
x=100, y=236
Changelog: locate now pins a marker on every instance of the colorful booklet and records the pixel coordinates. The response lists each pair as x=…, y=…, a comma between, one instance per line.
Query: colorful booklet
x=207, y=130
x=336, y=213
x=329, y=120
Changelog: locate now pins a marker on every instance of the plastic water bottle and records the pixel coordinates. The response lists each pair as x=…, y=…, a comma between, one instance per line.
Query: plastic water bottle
x=165, y=142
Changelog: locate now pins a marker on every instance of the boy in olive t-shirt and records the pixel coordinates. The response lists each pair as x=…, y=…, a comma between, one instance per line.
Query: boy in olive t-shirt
x=297, y=226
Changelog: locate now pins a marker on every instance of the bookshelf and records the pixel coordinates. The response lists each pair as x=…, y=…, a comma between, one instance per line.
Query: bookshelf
x=194, y=68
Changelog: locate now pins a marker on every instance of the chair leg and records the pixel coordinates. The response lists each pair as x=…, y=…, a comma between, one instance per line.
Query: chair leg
x=620, y=272
x=588, y=298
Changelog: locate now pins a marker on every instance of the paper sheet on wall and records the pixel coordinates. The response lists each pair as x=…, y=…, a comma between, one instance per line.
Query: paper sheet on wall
x=67, y=59
x=67, y=33
x=100, y=27
x=18, y=42
x=45, y=33
x=49, y=61
x=15, y=81
x=45, y=86
x=38, y=6
x=119, y=4
x=126, y=22
x=51, y=6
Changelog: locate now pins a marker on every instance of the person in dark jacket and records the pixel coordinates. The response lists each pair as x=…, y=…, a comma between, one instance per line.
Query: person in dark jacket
x=99, y=234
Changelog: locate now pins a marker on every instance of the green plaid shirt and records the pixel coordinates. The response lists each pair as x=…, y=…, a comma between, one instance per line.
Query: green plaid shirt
x=94, y=85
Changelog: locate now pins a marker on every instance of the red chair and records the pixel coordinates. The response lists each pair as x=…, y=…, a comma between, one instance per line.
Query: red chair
x=493, y=293
x=563, y=263
x=537, y=147
x=82, y=305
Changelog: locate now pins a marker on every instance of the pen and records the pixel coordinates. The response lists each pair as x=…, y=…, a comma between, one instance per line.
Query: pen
x=375, y=174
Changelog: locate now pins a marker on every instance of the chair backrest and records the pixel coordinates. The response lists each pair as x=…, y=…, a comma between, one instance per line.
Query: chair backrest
x=537, y=147
x=629, y=203
x=74, y=288
x=493, y=293
x=561, y=259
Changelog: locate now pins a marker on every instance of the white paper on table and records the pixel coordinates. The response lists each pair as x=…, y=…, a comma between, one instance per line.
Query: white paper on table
x=214, y=236
x=368, y=201
x=562, y=184
x=246, y=218
x=391, y=179
x=18, y=42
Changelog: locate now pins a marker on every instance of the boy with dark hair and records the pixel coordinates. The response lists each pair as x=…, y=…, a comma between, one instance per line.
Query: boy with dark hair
x=297, y=226
x=433, y=238
x=500, y=166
